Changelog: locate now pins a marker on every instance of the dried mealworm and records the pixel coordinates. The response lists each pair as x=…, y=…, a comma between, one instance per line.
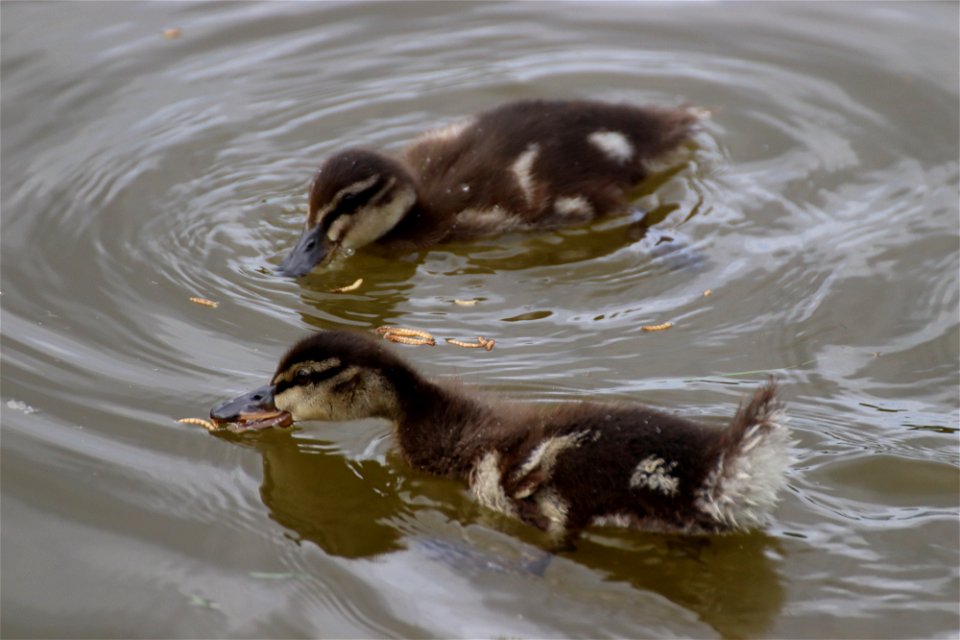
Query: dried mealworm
x=707, y=293
x=409, y=339
x=466, y=303
x=465, y=345
x=481, y=343
x=204, y=302
x=200, y=422
x=657, y=327
x=401, y=331
x=172, y=34
x=349, y=287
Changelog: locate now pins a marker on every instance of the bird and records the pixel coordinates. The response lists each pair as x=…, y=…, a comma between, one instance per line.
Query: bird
x=559, y=468
x=531, y=164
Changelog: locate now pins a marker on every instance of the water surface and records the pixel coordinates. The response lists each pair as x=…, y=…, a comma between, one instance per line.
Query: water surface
x=819, y=204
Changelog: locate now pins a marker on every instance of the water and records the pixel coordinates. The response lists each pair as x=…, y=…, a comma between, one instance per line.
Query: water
x=819, y=206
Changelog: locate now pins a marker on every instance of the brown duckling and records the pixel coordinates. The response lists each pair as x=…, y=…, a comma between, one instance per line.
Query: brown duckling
x=560, y=468
x=536, y=164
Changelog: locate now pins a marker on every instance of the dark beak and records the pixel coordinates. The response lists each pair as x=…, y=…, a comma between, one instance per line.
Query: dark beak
x=312, y=248
x=253, y=410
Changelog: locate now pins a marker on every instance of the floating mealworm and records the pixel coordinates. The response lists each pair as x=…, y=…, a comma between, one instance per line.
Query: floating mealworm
x=414, y=340
x=349, y=287
x=657, y=327
x=205, y=302
x=406, y=336
x=465, y=345
x=481, y=343
x=465, y=303
x=708, y=293
x=200, y=422
x=401, y=331
x=171, y=34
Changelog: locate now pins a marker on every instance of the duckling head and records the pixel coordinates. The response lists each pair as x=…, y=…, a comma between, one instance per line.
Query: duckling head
x=357, y=196
x=333, y=376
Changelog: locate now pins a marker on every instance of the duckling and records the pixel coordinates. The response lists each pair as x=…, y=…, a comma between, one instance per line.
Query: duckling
x=560, y=469
x=535, y=164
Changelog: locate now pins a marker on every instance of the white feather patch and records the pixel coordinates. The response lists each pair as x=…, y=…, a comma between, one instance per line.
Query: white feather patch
x=570, y=206
x=741, y=491
x=614, y=144
x=544, y=457
x=654, y=473
x=485, y=484
x=622, y=520
x=554, y=509
x=522, y=169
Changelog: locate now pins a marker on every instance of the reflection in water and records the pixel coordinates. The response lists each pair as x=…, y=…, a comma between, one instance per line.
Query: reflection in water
x=728, y=581
x=350, y=508
x=387, y=277
x=341, y=505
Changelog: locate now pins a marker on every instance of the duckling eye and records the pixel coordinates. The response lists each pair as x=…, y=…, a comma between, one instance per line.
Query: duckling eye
x=349, y=201
x=303, y=376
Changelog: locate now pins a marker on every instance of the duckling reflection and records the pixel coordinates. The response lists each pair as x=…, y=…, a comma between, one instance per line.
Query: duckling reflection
x=536, y=164
x=560, y=469
x=343, y=506
x=729, y=582
x=356, y=508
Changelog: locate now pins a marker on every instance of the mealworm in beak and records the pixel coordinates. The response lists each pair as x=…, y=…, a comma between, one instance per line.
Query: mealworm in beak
x=200, y=422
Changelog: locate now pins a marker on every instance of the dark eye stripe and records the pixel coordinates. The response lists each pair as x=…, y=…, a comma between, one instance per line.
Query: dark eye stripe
x=314, y=377
x=350, y=203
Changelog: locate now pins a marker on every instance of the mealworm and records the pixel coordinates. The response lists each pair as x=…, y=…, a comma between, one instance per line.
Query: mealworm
x=657, y=327
x=481, y=343
x=205, y=302
x=171, y=34
x=465, y=303
x=465, y=345
x=349, y=287
x=401, y=331
x=200, y=422
x=708, y=292
x=409, y=339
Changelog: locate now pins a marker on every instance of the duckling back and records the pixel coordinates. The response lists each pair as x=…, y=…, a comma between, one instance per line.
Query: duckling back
x=636, y=467
x=535, y=164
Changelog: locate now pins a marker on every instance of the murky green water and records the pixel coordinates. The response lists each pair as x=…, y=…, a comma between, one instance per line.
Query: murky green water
x=137, y=171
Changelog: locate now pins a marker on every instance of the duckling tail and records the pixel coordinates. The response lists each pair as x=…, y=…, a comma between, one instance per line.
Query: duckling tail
x=744, y=486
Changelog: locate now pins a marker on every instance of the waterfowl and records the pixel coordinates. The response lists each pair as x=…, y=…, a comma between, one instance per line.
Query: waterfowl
x=560, y=468
x=535, y=164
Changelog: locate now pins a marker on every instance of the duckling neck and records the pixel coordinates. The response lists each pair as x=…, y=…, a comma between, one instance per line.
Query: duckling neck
x=431, y=422
x=420, y=226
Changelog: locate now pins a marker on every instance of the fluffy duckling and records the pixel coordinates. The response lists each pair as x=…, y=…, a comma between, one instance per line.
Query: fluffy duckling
x=560, y=468
x=534, y=164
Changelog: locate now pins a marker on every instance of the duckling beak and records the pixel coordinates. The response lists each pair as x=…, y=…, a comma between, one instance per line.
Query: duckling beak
x=253, y=410
x=312, y=248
